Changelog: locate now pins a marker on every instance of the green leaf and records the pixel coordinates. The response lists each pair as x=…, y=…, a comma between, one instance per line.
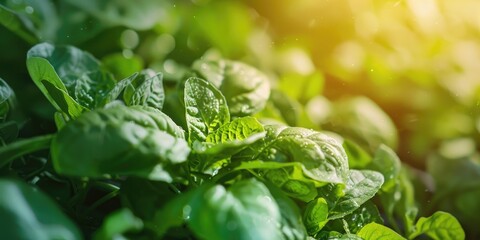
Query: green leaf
x=399, y=202
x=440, y=225
x=122, y=67
x=288, y=108
x=119, y=87
x=375, y=231
x=363, y=121
x=206, y=109
x=90, y=89
x=7, y=99
x=116, y=223
x=360, y=187
x=154, y=195
x=245, y=88
x=365, y=214
x=357, y=157
x=245, y=210
x=70, y=78
x=322, y=158
x=289, y=177
x=388, y=164
x=69, y=62
x=315, y=215
x=338, y=236
x=27, y=213
x=30, y=19
x=15, y=23
x=291, y=224
x=140, y=15
x=61, y=99
x=22, y=147
x=147, y=90
x=139, y=141
x=238, y=129
x=302, y=87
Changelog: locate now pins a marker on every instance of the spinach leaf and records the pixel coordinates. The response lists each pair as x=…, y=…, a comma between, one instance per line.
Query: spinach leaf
x=363, y=121
x=357, y=157
x=138, y=141
x=206, y=109
x=140, y=15
x=399, y=202
x=216, y=212
x=245, y=88
x=322, y=158
x=289, y=177
x=71, y=79
x=146, y=90
x=365, y=214
x=32, y=20
x=360, y=187
x=7, y=100
x=440, y=225
x=27, y=213
x=315, y=215
x=291, y=224
x=375, y=231
x=117, y=223
x=226, y=141
x=386, y=162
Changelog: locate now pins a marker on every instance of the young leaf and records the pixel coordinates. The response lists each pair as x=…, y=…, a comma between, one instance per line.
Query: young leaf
x=68, y=62
x=322, y=158
x=16, y=23
x=245, y=88
x=206, y=109
x=90, y=89
x=386, y=162
x=64, y=102
x=7, y=98
x=30, y=19
x=289, y=177
x=363, y=121
x=245, y=210
x=291, y=223
x=375, y=231
x=360, y=187
x=357, y=157
x=27, y=213
x=140, y=15
x=365, y=214
x=315, y=215
x=69, y=75
x=440, y=225
x=238, y=129
x=46, y=79
x=117, y=223
x=119, y=140
x=148, y=91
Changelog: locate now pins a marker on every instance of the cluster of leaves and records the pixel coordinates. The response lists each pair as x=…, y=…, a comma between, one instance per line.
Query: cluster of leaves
x=207, y=148
x=226, y=175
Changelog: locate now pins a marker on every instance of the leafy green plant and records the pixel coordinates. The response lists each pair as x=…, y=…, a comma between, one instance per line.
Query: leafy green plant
x=225, y=174
x=204, y=119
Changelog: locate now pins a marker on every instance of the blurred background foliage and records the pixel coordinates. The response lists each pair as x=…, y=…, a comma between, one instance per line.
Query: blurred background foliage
x=399, y=72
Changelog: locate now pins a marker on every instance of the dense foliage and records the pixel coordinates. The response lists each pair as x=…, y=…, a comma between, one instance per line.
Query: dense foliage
x=145, y=120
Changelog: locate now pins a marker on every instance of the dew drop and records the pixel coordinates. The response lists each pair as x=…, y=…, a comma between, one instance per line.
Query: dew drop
x=29, y=9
